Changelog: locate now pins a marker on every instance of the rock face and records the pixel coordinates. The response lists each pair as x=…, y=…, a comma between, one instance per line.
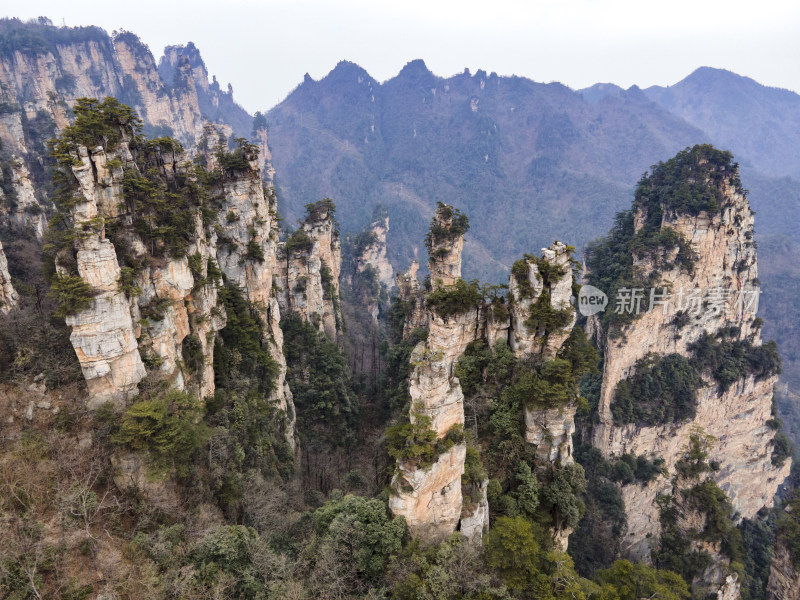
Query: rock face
x=374, y=254
x=737, y=417
x=431, y=499
x=546, y=280
x=444, y=248
x=39, y=86
x=410, y=293
x=535, y=279
x=308, y=275
x=8, y=295
x=784, y=578
x=28, y=210
x=103, y=335
x=372, y=275
x=94, y=65
x=175, y=305
x=170, y=314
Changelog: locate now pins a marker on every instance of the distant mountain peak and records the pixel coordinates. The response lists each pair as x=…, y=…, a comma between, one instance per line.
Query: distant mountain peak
x=415, y=67
x=599, y=91
x=346, y=68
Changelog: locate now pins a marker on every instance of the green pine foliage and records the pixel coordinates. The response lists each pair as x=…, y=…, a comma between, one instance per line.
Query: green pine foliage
x=661, y=390
x=166, y=428
x=459, y=298
x=241, y=360
x=71, y=293
x=441, y=232
x=97, y=123
x=729, y=360
x=327, y=408
x=361, y=530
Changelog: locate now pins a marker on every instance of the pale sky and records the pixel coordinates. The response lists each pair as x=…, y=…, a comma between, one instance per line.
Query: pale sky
x=263, y=48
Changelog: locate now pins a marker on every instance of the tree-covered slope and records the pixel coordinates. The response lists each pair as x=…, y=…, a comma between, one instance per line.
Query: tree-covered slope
x=530, y=161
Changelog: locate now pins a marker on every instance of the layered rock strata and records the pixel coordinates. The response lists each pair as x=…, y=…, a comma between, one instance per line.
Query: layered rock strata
x=431, y=499
x=172, y=305
x=8, y=295
x=546, y=279
x=309, y=269
x=103, y=334
x=736, y=417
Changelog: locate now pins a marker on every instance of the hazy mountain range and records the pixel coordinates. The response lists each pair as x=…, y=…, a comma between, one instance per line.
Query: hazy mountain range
x=532, y=162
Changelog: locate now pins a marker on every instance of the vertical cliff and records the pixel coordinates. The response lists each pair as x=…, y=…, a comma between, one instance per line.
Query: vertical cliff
x=689, y=239
x=42, y=78
x=535, y=322
x=154, y=237
x=8, y=295
x=310, y=265
x=103, y=333
x=784, y=578
x=370, y=275
x=429, y=496
x=410, y=295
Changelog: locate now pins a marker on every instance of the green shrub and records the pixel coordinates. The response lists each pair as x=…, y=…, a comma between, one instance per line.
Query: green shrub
x=299, y=242
x=255, y=252
x=327, y=408
x=782, y=449
x=166, y=428
x=447, y=224
x=661, y=390
x=71, y=293
x=729, y=361
x=127, y=282
x=512, y=549
x=96, y=124
x=239, y=159
x=361, y=530
x=543, y=317
x=192, y=353
x=322, y=209
x=694, y=461
x=635, y=581
x=413, y=441
x=241, y=360
x=456, y=299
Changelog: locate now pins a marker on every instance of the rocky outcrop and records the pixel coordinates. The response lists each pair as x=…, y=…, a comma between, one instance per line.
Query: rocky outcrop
x=169, y=315
x=548, y=280
x=410, y=294
x=725, y=259
x=372, y=275
x=373, y=254
x=475, y=517
x=428, y=498
x=41, y=83
x=431, y=499
x=308, y=275
x=543, y=285
x=550, y=431
x=784, y=578
x=8, y=295
x=28, y=211
x=445, y=242
x=103, y=335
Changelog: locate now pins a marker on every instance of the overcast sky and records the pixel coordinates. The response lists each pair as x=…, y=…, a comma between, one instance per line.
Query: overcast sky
x=263, y=48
